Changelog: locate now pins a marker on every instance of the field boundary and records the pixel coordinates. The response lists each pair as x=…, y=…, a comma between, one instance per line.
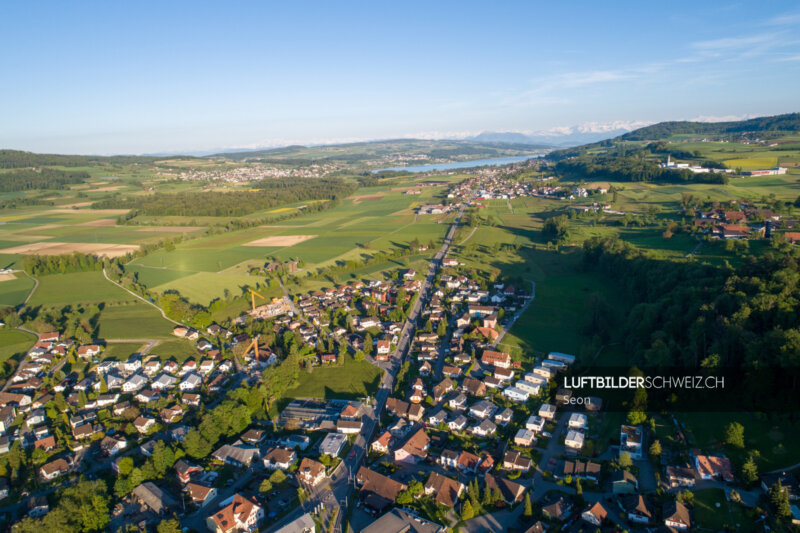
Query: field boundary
x=148, y=302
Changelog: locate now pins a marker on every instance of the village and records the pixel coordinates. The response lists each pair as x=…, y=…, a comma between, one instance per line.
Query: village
x=458, y=432
x=466, y=432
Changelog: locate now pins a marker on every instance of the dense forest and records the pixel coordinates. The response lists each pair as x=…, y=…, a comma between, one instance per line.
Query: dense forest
x=47, y=178
x=20, y=159
x=271, y=193
x=688, y=315
x=629, y=168
x=788, y=122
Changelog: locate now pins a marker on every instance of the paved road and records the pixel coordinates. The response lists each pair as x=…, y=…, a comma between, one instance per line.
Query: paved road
x=342, y=481
x=516, y=315
x=33, y=289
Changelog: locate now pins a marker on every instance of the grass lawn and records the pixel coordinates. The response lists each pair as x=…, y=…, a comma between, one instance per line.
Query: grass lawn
x=355, y=379
x=14, y=341
x=775, y=437
x=135, y=320
x=68, y=289
x=202, y=287
x=120, y=351
x=554, y=320
x=714, y=513
x=178, y=349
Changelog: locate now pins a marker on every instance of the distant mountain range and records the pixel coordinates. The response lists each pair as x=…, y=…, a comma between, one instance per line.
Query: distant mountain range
x=569, y=137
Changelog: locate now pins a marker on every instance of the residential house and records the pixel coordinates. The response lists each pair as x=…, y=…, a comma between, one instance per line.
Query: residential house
x=279, y=458
x=111, y=446
x=676, y=516
x=54, y=469
x=594, y=514
x=713, y=467
x=516, y=394
x=154, y=498
x=448, y=458
x=623, y=482
x=333, y=444
x=486, y=428
x=457, y=402
x=514, y=460
x=236, y=454
x=310, y=472
x=482, y=409
x=377, y=491
x=382, y=443
x=496, y=359
x=511, y=492
x=577, y=421
x=241, y=514
x=637, y=509
x=134, y=383
x=574, y=440
x=191, y=382
x=547, y=411
x=468, y=462
x=201, y=494
x=458, y=423
x=535, y=424
x=680, y=476
x=414, y=449
x=557, y=508
x=349, y=426
x=524, y=437
x=185, y=470
x=504, y=417
x=144, y=424
x=631, y=440
x=447, y=491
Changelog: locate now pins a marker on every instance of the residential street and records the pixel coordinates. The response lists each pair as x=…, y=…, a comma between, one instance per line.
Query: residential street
x=342, y=482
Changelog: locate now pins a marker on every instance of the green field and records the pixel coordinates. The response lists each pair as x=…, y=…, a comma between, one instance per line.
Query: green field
x=178, y=349
x=79, y=287
x=120, y=351
x=13, y=292
x=380, y=218
x=753, y=163
x=555, y=319
x=133, y=320
x=354, y=380
x=14, y=341
x=774, y=436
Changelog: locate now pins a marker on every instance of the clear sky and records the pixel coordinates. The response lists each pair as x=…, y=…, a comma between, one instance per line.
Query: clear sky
x=140, y=77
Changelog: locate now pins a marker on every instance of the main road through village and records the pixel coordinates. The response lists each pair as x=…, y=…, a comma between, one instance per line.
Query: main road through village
x=342, y=481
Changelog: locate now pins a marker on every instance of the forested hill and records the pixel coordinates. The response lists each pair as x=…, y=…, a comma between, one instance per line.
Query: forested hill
x=20, y=159
x=787, y=122
x=263, y=195
x=371, y=150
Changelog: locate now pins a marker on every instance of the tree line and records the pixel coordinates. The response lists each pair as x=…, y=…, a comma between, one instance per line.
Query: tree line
x=21, y=159
x=271, y=193
x=629, y=168
x=46, y=178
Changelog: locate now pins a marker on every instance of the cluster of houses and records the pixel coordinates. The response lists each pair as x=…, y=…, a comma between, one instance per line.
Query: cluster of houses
x=157, y=392
x=500, y=187
x=744, y=222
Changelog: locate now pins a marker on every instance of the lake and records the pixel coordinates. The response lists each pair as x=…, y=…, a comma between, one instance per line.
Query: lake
x=496, y=162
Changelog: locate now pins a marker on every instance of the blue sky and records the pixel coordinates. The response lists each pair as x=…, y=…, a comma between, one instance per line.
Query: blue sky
x=103, y=77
